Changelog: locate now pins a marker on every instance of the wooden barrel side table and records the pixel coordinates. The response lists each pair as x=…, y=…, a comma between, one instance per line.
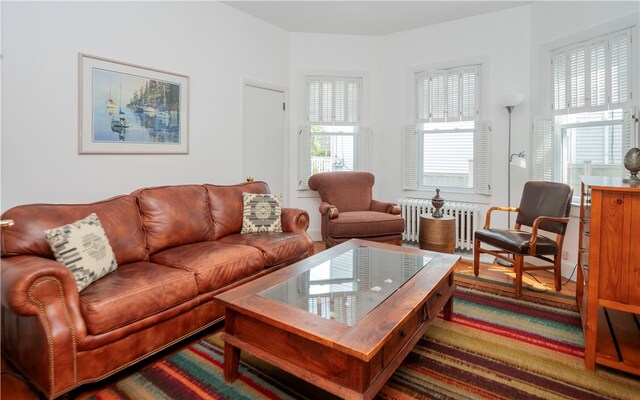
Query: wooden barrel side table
x=437, y=234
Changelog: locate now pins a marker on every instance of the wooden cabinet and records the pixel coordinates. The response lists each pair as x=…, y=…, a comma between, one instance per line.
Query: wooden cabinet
x=608, y=286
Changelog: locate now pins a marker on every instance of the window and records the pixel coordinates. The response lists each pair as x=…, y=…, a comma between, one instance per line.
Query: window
x=591, y=126
x=333, y=138
x=447, y=146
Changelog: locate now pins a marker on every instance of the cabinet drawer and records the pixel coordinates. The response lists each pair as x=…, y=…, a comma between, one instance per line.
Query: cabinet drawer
x=401, y=336
x=439, y=297
x=426, y=312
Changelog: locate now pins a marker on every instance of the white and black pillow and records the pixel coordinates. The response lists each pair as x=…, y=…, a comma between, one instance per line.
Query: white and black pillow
x=84, y=248
x=261, y=213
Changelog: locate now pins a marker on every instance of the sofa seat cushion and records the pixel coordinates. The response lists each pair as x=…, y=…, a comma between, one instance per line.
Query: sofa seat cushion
x=277, y=247
x=365, y=223
x=133, y=292
x=213, y=263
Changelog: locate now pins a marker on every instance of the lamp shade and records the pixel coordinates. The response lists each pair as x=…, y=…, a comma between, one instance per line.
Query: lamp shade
x=511, y=100
x=518, y=160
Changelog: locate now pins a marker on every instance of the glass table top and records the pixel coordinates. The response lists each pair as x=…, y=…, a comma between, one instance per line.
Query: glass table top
x=350, y=285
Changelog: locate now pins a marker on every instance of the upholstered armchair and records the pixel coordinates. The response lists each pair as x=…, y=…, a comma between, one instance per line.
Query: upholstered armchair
x=348, y=211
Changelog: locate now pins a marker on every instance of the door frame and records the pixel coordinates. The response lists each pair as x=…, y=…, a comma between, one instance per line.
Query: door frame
x=285, y=137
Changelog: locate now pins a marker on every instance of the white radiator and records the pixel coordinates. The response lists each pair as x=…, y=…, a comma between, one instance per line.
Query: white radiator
x=467, y=217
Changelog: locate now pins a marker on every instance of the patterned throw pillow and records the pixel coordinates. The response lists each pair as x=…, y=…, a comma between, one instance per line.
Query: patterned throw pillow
x=261, y=213
x=84, y=248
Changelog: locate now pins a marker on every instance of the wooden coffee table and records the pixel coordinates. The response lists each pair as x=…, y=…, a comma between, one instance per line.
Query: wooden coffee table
x=343, y=319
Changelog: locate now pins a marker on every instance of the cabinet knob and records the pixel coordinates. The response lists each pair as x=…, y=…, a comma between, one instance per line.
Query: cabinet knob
x=619, y=201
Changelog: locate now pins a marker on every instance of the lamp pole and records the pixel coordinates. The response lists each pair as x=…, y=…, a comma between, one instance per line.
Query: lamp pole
x=509, y=109
x=510, y=101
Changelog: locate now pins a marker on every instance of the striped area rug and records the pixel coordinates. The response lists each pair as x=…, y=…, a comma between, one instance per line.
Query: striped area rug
x=496, y=347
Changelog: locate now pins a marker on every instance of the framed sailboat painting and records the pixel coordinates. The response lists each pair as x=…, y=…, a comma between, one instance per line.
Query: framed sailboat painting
x=129, y=109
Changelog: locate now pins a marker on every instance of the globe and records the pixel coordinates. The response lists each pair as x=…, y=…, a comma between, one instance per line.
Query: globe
x=632, y=162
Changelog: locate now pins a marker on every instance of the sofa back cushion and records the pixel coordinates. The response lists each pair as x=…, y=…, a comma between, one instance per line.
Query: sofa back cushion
x=226, y=205
x=174, y=215
x=119, y=216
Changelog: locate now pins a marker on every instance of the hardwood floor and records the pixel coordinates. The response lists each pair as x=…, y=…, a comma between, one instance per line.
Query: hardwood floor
x=536, y=280
x=12, y=387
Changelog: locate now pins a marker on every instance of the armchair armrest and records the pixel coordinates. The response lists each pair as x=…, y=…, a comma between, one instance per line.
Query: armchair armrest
x=534, y=230
x=385, y=207
x=329, y=210
x=294, y=220
x=487, y=221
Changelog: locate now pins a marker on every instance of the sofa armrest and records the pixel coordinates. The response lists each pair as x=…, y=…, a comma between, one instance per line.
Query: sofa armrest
x=385, y=207
x=294, y=220
x=44, y=347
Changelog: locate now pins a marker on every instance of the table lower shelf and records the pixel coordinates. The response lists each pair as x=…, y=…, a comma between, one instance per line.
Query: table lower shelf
x=617, y=340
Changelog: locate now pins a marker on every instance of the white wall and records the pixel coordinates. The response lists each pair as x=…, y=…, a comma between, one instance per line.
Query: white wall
x=502, y=38
x=216, y=45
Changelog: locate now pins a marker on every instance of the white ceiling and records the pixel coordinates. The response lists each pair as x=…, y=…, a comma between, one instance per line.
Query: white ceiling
x=371, y=18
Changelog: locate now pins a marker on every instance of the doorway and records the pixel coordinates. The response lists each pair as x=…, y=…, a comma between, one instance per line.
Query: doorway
x=263, y=141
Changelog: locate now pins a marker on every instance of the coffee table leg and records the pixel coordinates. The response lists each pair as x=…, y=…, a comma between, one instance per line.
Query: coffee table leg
x=231, y=362
x=448, y=309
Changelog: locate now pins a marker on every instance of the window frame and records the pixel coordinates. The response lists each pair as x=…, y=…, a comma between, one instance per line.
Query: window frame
x=547, y=140
x=361, y=135
x=412, y=152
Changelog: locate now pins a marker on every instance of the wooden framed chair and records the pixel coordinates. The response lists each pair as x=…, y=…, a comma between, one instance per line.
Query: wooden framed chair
x=545, y=206
x=348, y=211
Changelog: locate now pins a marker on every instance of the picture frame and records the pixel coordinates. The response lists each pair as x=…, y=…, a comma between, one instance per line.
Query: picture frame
x=130, y=109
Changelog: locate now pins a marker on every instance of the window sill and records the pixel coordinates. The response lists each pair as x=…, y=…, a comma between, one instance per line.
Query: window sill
x=306, y=194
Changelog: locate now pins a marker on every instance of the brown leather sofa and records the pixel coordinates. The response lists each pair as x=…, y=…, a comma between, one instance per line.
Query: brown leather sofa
x=176, y=248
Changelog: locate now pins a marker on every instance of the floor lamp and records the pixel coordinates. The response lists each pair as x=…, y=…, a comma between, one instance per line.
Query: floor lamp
x=515, y=159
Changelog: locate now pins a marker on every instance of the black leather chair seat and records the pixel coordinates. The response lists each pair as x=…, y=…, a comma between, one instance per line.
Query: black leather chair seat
x=516, y=241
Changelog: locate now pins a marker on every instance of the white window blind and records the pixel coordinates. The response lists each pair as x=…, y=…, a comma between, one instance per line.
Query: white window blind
x=593, y=75
x=577, y=77
x=620, y=49
x=559, y=67
x=363, y=143
x=543, y=143
x=304, y=157
x=598, y=93
x=630, y=135
x=447, y=95
x=481, y=146
x=409, y=157
x=334, y=101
